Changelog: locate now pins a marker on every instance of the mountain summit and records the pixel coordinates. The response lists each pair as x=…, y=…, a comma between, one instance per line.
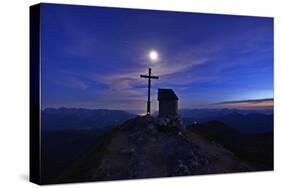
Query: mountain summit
x=146, y=147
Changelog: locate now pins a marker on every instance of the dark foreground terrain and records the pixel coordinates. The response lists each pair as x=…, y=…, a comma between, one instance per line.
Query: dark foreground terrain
x=94, y=145
x=70, y=133
x=255, y=148
x=147, y=147
x=62, y=148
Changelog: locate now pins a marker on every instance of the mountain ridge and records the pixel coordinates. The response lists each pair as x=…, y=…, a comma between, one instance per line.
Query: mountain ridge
x=80, y=118
x=145, y=147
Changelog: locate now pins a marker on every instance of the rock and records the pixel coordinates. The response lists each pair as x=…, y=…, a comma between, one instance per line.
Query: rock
x=150, y=126
x=156, y=148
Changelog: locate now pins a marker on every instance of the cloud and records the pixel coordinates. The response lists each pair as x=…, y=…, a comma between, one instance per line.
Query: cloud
x=128, y=88
x=246, y=104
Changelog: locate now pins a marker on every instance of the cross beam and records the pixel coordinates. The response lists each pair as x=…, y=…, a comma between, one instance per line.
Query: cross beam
x=149, y=76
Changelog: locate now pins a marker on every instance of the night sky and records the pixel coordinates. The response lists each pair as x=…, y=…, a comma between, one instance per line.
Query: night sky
x=93, y=57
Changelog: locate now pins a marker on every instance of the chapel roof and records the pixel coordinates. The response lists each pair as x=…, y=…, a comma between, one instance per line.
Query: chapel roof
x=166, y=94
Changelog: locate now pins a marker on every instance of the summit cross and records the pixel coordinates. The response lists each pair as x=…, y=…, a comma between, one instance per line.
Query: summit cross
x=149, y=76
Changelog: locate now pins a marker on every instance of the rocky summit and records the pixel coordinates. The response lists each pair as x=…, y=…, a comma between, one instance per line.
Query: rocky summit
x=147, y=147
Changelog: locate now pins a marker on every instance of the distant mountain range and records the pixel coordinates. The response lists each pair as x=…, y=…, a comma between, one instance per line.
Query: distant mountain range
x=207, y=113
x=78, y=118
x=246, y=121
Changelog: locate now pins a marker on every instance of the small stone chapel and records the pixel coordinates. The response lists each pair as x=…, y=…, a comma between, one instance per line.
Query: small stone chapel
x=168, y=103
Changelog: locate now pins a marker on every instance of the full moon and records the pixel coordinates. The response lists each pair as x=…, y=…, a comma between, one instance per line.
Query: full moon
x=153, y=55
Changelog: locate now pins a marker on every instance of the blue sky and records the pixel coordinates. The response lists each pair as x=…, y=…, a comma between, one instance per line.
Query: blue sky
x=92, y=57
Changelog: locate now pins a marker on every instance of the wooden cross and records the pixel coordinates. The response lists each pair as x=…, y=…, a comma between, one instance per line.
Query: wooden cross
x=149, y=85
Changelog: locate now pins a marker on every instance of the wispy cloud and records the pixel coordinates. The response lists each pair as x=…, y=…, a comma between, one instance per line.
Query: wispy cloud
x=246, y=104
x=127, y=87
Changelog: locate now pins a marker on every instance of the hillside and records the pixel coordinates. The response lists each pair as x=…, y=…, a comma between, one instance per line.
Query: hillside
x=60, y=148
x=256, y=148
x=251, y=123
x=146, y=147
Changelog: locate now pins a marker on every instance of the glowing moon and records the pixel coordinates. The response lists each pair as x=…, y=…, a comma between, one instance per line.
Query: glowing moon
x=153, y=56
